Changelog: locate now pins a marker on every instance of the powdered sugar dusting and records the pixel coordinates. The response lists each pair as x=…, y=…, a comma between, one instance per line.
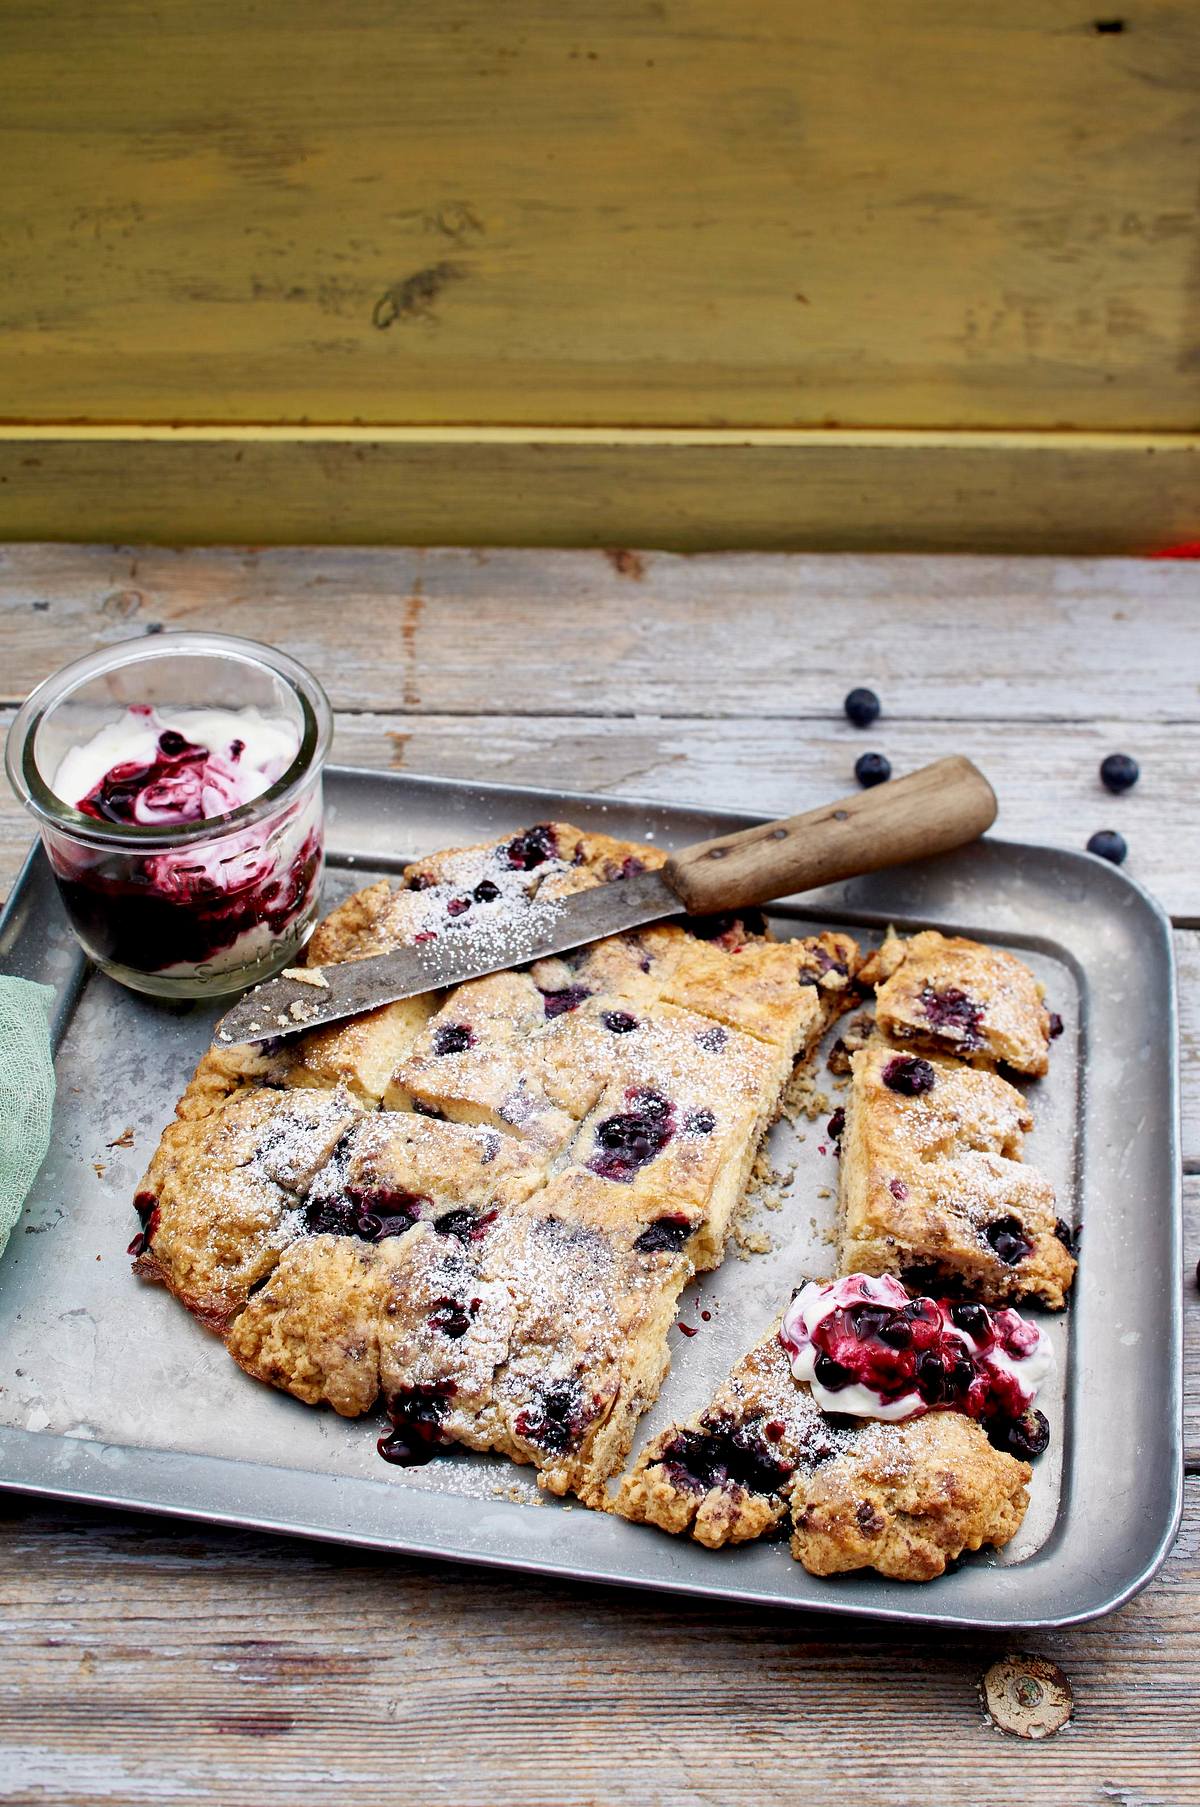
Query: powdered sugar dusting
x=526, y=1309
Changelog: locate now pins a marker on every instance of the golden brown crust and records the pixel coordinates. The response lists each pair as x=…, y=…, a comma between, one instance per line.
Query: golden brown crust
x=783, y=992
x=958, y=997
x=906, y=1499
x=935, y=1181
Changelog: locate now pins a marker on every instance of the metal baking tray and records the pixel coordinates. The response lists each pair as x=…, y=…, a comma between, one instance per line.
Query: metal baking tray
x=110, y=1393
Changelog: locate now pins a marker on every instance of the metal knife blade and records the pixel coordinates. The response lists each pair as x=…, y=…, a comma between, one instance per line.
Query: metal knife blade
x=465, y=949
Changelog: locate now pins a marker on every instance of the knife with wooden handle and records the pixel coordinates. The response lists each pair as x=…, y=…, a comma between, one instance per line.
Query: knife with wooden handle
x=934, y=810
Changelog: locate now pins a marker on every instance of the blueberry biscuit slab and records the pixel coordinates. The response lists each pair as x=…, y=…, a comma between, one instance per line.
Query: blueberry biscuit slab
x=481, y=1205
x=931, y=1179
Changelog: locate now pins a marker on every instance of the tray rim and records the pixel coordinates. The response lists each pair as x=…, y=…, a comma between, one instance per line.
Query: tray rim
x=86, y=1468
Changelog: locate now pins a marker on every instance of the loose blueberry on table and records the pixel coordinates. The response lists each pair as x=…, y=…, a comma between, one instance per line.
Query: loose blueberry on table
x=871, y=769
x=862, y=707
x=1107, y=844
x=1119, y=772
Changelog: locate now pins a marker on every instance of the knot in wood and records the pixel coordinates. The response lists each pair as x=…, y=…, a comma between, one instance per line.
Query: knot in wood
x=1027, y=1696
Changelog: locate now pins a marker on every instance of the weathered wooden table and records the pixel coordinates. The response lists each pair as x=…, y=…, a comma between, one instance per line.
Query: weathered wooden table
x=161, y=1662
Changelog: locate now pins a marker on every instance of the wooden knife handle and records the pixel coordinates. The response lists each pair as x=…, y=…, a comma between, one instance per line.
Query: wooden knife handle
x=933, y=810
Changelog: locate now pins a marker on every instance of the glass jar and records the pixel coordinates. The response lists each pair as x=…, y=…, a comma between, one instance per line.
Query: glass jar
x=181, y=909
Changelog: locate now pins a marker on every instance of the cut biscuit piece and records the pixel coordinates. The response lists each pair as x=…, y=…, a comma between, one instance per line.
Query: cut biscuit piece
x=931, y=1182
x=904, y=1499
x=726, y=1475
x=521, y=1333
x=958, y=997
x=590, y=1346
x=783, y=992
x=362, y=1053
x=481, y=1059
x=673, y=1136
x=398, y=1195
x=219, y=1199
x=440, y=1166
x=553, y=854
x=313, y=1329
x=908, y=1498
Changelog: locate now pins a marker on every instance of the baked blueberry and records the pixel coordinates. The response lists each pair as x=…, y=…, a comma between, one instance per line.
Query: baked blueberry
x=666, y=1234
x=1118, y=772
x=485, y=891
x=557, y=1003
x=453, y=1316
x=619, y=1022
x=871, y=769
x=463, y=1225
x=628, y=1141
x=1107, y=844
x=1025, y=1437
x=862, y=707
x=1007, y=1236
x=416, y=1413
x=724, y=1455
x=453, y=1038
x=555, y=1418
x=909, y=1075
x=532, y=849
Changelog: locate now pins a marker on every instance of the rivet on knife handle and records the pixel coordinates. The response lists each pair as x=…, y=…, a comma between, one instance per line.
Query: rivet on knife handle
x=933, y=810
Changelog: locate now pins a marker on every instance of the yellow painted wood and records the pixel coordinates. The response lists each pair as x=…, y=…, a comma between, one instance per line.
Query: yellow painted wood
x=915, y=213
x=1039, y=492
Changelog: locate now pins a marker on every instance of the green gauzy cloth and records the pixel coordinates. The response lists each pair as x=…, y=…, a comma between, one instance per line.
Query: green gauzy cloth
x=26, y=1092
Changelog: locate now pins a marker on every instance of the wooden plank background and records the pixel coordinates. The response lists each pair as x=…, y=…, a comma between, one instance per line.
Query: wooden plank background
x=687, y=491
x=149, y=1661
x=918, y=276
x=928, y=214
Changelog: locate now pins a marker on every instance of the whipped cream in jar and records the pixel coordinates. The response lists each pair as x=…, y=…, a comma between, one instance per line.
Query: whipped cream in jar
x=176, y=782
